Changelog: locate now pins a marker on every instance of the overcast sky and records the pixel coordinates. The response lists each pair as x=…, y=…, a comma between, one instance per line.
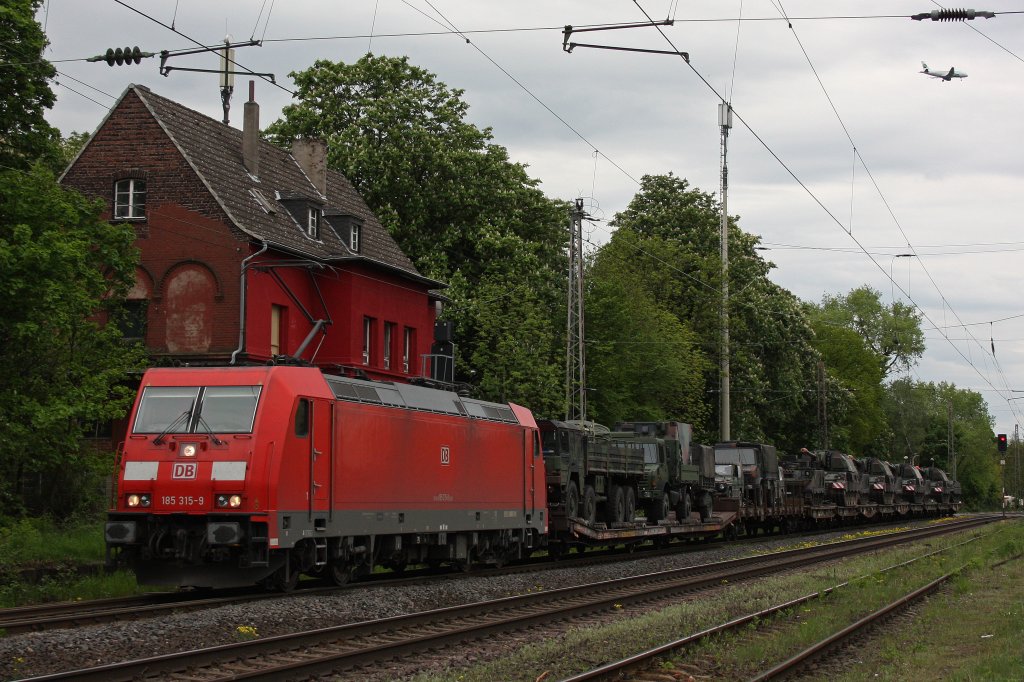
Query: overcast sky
x=889, y=162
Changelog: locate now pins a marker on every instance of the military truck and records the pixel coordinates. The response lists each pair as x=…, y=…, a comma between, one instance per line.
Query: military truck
x=681, y=477
x=589, y=472
x=762, y=482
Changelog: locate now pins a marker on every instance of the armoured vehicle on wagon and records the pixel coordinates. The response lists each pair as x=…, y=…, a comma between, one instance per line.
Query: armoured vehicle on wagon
x=879, y=482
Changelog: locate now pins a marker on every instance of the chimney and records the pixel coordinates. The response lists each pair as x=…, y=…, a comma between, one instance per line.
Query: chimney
x=311, y=155
x=251, y=133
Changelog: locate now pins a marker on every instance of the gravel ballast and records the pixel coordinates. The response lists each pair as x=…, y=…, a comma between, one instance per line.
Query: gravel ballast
x=33, y=654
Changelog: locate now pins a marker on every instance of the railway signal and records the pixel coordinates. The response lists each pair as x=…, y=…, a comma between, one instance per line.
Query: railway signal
x=1001, y=442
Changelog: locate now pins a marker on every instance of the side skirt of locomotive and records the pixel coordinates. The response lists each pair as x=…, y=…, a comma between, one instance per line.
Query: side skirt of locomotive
x=183, y=550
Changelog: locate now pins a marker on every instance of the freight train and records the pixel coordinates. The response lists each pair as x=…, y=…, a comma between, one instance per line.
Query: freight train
x=257, y=475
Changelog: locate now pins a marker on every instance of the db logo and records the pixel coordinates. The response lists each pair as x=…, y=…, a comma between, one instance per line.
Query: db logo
x=446, y=455
x=184, y=470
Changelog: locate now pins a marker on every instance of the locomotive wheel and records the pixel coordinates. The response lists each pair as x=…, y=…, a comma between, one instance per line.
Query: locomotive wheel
x=572, y=500
x=339, y=573
x=615, y=507
x=589, y=504
x=286, y=578
x=630, y=503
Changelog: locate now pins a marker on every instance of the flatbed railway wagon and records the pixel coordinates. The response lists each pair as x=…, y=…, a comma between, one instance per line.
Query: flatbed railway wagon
x=241, y=475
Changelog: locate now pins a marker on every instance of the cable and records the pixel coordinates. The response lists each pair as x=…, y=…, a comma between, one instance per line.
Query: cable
x=193, y=40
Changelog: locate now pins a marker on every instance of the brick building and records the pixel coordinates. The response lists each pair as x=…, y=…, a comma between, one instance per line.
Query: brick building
x=250, y=253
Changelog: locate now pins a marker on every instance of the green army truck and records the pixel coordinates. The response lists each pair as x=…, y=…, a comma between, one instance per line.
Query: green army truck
x=591, y=475
x=679, y=474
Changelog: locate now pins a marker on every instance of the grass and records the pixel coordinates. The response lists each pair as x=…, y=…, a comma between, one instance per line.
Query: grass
x=922, y=654
x=63, y=550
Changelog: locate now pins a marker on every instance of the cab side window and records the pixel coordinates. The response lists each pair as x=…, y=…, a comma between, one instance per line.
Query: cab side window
x=302, y=419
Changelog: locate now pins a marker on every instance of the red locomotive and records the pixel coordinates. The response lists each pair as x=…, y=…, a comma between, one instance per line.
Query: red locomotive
x=233, y=476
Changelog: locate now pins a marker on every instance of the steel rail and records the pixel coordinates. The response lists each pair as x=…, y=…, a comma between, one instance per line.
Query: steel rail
x=616, y=670
x=345, y=646
x=794, y=663
x=40, y=617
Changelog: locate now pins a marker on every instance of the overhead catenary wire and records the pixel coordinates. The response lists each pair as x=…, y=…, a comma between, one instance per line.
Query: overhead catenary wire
x=792, y=174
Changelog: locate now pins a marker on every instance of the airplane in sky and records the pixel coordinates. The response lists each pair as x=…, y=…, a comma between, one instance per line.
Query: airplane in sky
x=944, y=75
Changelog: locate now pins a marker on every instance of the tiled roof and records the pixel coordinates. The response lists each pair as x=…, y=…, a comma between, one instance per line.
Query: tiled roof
x=214, y=150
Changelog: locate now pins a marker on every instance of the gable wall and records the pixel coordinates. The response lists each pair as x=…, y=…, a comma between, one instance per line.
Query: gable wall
x=190, y=255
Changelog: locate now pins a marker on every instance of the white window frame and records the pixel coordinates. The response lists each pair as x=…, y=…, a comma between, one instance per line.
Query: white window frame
x=367, y=338
x=354, y=237
x=406, y=350
x=313, y=222
x=388, y=327
x=134, y=205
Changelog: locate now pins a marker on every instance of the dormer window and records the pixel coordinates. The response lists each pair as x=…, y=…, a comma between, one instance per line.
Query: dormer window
x=353, y=237
x=313, y=222
x=129, y=199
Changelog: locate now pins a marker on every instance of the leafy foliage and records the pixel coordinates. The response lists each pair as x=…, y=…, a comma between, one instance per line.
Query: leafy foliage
x=25, y=93
x=892, y=332
x=919, y=414
x=675, y=259
x=59, y=264
x=463, y=212
x=643, y=362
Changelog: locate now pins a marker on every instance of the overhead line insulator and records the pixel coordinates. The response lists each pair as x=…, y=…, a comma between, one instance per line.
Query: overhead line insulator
x=953, y=15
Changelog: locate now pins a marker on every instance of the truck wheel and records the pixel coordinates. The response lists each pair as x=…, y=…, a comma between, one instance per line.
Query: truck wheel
x=630, y=503
x=660, y=508
x=572, y=500
x=684, y=507
x=705, y=506
x=615, y=507
x=589, y=504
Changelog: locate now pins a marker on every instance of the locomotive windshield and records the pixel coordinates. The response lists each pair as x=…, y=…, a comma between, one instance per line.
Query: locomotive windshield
x=202, y=409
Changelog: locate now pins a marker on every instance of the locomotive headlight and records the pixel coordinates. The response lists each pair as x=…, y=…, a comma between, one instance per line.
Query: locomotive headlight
x=142, y=500
x=232, y=501
x=188, y=450
x=133, y=500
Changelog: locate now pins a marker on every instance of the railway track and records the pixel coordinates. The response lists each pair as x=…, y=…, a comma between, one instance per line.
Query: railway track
x=369, y=643
x=42, y=617
x=638, y=665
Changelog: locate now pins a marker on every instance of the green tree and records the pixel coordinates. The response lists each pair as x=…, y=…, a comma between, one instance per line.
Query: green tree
x=771, y=360
x=457, y=205
x=643, y=362
x=892, y=332
x=855, y=406
x=59, y=265
x=25, y=94
x=920, y=414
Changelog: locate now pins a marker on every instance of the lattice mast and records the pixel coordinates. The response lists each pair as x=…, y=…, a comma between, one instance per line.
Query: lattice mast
x=575, y=356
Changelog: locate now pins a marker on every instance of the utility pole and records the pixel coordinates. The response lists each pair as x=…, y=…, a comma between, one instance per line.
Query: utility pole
x=725, y=122
x=575, y=356
x=823, y=405
x=1016, y=452
x=950, y=445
